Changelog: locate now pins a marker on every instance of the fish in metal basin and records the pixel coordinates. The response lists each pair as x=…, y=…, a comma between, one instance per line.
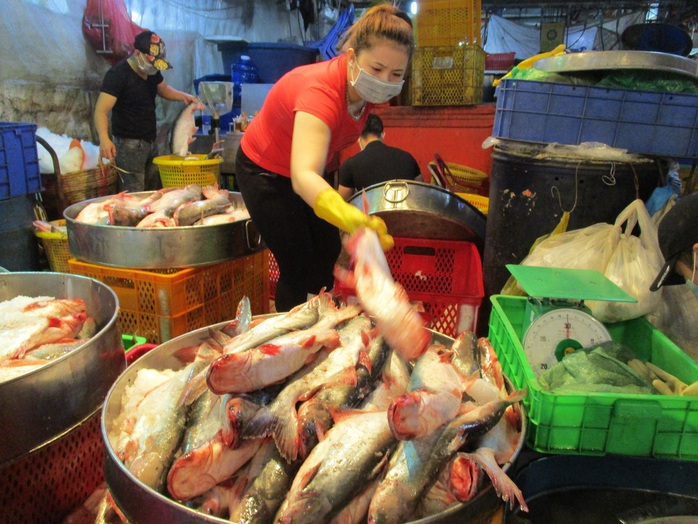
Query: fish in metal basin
x=151, y=429
x=174, y=197
x=416, y=464
x=383, y=299
x=433, y=397
x=265, y=493
x=280, y=418
x=184, y=129
x=300, y=317
x=268, y=363
x=216, y=201
x=352, y=454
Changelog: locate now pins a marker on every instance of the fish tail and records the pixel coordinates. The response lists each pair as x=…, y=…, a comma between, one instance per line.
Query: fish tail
x=263, y=424
x=194, y=389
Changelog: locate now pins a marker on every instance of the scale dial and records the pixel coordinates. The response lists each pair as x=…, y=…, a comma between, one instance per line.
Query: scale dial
x=553, y=334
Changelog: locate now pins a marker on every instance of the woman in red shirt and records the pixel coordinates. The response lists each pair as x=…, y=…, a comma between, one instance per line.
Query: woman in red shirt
x=311, y=114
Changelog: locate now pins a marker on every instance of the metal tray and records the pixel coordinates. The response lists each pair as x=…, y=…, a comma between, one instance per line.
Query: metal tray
x=142, y=504
x=615, y=60
x=43, y=405
x=418, y=210
x=160, y=248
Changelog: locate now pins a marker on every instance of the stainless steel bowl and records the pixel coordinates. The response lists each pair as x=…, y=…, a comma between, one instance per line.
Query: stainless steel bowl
x=41, y=406
x=160, y=248
x=419, y=210
x=141, y=504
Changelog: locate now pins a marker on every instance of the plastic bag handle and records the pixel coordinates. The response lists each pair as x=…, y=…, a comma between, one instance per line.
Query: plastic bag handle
x=636, y=213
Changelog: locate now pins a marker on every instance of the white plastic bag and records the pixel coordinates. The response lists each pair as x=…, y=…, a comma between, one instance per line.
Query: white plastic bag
x=587, y=248
x=633, y=266
x=631, y=262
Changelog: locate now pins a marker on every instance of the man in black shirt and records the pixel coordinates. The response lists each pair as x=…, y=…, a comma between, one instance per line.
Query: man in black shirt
x=128, y=92
x=377, y=162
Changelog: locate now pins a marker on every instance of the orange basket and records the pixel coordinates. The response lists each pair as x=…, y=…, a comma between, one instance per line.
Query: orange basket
x=458, y=178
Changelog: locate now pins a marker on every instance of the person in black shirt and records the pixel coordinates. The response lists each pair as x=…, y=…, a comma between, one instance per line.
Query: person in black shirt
x=128, y=91
x=376, y=162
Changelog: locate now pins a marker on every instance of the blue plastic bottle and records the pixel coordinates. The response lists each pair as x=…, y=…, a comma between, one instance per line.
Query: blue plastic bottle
x=244, y=71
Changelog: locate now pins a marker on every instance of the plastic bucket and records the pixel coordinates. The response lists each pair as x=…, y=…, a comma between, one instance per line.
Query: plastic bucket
x=20, y=247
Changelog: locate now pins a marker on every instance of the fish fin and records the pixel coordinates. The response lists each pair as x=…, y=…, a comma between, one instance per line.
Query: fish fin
x=194, y=389
x=365, y=361
x=263, y=424
x=186, y=354
x=287, y=436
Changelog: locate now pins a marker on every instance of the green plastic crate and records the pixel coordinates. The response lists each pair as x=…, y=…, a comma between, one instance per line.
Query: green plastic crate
x=599, y=423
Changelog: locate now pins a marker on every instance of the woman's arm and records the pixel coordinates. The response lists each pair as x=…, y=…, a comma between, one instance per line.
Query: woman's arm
x=309, y=148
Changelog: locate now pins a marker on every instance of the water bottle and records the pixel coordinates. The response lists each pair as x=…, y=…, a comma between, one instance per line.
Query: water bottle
x=244, y=71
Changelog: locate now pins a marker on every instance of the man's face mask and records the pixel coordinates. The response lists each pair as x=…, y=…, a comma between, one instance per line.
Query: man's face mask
x=373, y=89
x=144, y=65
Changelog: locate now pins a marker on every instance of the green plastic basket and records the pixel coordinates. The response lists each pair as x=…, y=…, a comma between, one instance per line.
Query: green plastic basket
x=599, y=423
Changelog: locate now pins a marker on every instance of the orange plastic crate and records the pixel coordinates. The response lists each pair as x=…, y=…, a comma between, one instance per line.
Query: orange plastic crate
x=448, y=22
x=443, y=276
x=447, y=75
x=162, y=304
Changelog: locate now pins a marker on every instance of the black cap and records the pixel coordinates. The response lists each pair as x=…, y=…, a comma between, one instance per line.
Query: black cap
x=677, y=232
x=153, y=47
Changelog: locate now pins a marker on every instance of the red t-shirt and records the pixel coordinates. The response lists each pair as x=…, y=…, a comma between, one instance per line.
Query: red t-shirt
x=318, y=89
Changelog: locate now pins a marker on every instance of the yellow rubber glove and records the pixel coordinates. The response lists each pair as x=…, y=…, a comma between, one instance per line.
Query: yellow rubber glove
x=329, y=205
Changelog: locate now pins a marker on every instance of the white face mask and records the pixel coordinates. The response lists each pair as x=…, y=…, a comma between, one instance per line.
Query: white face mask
x=374, y=89
x=148, y=68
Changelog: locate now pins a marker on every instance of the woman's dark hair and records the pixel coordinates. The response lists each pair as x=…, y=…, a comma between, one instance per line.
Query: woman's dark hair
x=381, y=21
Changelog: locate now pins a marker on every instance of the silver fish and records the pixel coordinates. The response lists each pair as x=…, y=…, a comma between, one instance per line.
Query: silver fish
x=264, y=495
x=184, y=129
x=187, y=214
x=153, y=432
x=415, y=465
x=352, y=454
x=172, y=198
x=300, y=317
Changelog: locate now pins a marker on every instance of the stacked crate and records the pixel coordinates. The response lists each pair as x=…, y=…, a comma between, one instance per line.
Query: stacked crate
x=19, y=181
x=160, y=304
x=448, y=63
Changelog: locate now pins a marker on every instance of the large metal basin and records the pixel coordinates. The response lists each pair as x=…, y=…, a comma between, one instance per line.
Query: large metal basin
x=160, y=248
x=418, y=210
x=142, y=504
x=41, y=406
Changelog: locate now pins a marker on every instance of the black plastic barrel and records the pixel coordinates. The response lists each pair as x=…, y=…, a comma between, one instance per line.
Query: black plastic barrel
x=19, y=247
x=529, y=191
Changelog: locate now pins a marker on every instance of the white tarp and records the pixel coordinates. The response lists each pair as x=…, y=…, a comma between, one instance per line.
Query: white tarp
x=503, y=36
x=50, y=74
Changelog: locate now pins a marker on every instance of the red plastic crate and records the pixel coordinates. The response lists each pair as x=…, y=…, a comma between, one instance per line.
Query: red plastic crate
x=443, y=276
x=273, y=275
x=499, y=61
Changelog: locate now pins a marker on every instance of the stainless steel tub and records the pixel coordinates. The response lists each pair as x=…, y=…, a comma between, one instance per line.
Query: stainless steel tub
x=142, y=504
x=41, y=406
x=419, y=210
x=160, y=248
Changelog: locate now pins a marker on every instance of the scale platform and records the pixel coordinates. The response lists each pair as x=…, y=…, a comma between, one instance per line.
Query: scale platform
x=568, y=284
x=556, y=322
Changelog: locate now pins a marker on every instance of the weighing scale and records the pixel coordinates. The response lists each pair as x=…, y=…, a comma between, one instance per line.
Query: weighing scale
x=218, y=99
x=556, y=320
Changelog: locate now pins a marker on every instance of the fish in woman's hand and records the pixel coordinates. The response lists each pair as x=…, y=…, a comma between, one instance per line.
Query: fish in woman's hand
x=381, y=297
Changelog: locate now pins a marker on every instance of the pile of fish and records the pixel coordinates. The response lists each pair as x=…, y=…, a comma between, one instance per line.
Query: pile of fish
x=326, y=413
x=192, y=205
x=37, y=330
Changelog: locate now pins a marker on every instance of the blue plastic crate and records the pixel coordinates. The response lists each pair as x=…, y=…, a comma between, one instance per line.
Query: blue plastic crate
x=644, y=122
x=19, y=160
